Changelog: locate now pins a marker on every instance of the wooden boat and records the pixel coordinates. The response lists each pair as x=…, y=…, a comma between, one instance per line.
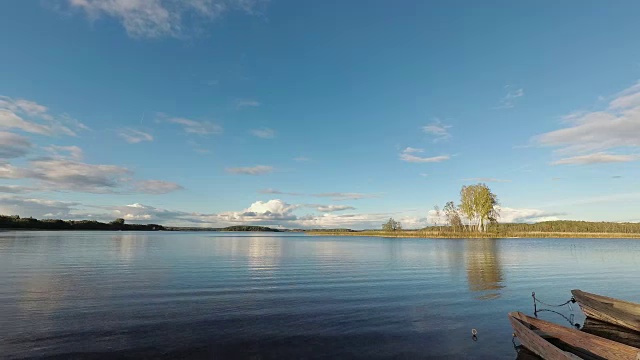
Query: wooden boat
x=555, y=342
x=611, y=332
x=613, y=311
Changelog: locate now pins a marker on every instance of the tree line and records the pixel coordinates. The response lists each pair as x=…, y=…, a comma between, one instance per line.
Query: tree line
x=16, y=222
x=571, y=226
x=252, y=228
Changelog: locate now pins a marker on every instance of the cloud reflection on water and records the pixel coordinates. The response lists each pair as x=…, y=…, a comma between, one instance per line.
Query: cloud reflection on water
x=130, y=245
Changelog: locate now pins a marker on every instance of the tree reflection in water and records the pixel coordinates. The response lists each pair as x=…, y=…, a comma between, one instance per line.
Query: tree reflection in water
x=484, y=270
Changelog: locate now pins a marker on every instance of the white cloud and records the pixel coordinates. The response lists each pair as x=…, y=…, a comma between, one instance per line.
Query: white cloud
x=247, y=103
x=512, y=215
x=507, y=215
x=272, y=212
x=156, y=186
x=8, y=171
x=336, y=196
x=486, y=179
x=599, y=136
x=275, y=206
x=270, y=209
x=610, y=198
x=264, y=133
x=66, y=172
x=259, y=211
x=412, y=222
x=410, y=150
x=438, y=130
x=331, y=208
x=597, y=158
x=253, y=170
x=433, y=218
x=339, y=196
x=197, y=127
x=510, y=99
x=37, y=208
x=26, y=107
x=10, y=120
x=159, y=18
x=627, y=98
x=65, y=124
x=275, y=212
x=65, y=152
x=408, y=156
x=63, y=174
x=14, y=189
x=13, y=111
x=139, y=213
x=301, y=159
x=13, y=145
x=352, y=221
x=278, y=192
x=133, y=136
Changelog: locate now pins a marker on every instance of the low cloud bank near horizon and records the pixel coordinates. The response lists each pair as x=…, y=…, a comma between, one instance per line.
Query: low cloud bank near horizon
x=273, y=213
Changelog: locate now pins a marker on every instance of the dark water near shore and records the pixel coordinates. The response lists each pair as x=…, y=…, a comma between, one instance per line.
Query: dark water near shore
x=274, y=296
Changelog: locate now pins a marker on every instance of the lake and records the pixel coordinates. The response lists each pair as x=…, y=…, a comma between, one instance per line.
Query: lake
x=288, y=296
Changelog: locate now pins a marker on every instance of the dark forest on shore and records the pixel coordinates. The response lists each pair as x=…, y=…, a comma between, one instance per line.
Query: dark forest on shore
x=16, y=222
x=497, y=230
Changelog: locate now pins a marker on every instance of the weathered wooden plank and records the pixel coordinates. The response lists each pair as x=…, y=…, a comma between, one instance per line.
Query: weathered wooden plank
x=584, y=343
x=534, y=342
x=612, y=332
x=613, y=311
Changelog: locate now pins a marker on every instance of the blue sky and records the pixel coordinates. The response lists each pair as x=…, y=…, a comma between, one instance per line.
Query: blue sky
x=325, y=114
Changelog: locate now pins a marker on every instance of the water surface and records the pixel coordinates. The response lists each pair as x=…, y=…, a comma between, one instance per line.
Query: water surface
x=275, y=296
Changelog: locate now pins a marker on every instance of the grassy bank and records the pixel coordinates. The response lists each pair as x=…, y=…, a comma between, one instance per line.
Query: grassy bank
x=478, y=235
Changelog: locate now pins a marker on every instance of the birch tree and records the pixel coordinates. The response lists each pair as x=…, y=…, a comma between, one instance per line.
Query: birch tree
x=391, y=225
x=467, y=206
x=479, y=205
x=452, y=215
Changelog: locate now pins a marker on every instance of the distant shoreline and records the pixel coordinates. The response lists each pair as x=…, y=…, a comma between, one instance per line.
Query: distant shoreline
x=407, y=234
x=15, y=222
x=147, y=230
x=546, y=229
x=374, y=233
x=477, y=235
x=266, y=230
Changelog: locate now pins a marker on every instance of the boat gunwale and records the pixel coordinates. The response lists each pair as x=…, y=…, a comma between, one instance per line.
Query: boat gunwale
x=581, y=341
x=611, y=310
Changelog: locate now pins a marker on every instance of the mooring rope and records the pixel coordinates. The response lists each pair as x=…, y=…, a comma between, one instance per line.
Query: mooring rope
x=568, y=302
x=569, y=319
